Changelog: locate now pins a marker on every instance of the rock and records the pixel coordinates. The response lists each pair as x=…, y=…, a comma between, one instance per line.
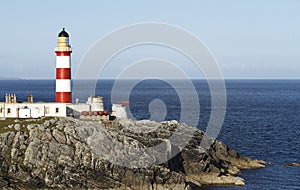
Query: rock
x=221, y=180
x=66, y=153
x=224, y=153
x=3, y=183
x=16, y=141
x=17, y=126
x=47, y=123
x=53, y=121
x=30, y=127
x=59, y=136
x=292, y=164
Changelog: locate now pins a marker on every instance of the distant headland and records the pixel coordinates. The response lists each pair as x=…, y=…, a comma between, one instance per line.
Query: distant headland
x=10, y=78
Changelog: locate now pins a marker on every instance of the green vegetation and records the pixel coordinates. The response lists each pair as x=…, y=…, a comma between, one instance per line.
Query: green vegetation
x=6, y=122
x=6, y=129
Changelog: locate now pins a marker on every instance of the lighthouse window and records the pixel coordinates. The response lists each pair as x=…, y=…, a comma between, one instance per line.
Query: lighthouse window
x=8, y=110
x=56, y=110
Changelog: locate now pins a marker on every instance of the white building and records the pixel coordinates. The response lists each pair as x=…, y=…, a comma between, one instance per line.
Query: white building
x=12, y=109
x=32, y=110
x=119, y=111
x=94, y=103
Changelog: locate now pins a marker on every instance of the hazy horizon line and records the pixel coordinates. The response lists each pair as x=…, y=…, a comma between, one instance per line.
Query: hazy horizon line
x=16, y=78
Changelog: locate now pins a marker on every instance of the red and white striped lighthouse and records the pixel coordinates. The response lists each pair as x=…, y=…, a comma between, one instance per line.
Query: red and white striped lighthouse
x=63, y=68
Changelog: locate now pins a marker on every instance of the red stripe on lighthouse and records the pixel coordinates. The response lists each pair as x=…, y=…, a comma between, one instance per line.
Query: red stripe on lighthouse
x=64, y=97
x=63, y=73
x=63, y=53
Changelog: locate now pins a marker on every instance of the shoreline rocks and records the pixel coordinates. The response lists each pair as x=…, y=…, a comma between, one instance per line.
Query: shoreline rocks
x=292, y=164
x=69, y=153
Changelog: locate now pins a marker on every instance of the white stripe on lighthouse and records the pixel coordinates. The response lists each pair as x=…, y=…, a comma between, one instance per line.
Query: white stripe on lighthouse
x=63, y=85
x=63, y=62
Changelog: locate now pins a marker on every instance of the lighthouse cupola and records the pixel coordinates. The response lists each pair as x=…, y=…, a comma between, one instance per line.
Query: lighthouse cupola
x=63, y=33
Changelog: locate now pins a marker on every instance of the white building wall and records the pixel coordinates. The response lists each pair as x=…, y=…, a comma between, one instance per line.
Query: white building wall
x=16, y=110
x=10, y=110
x=96, y=103
x=76, y=109
x=119, y=111
x=2, y=109
x=79, y=107
x=53, y=112
x=25, y=113
x=37, y=112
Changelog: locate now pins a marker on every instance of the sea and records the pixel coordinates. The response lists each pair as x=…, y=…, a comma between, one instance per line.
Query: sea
x=262, y=119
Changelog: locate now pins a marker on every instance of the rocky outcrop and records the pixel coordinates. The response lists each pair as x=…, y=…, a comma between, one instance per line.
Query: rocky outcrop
x=292, y=164
x=124, y=154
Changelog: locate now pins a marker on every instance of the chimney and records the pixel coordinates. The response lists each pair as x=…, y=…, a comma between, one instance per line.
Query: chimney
x=30, y=98
x=14, y=98
x=6, y=98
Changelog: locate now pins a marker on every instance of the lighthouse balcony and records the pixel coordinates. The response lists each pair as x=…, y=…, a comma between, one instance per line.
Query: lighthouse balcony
x=68, y=49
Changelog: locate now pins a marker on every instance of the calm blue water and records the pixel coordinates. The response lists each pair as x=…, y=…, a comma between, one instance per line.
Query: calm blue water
x=262, y=119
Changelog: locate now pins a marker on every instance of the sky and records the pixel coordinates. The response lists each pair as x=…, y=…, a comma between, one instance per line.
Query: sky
x=249, y=39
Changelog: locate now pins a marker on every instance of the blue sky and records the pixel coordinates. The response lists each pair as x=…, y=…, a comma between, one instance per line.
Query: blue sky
x=249, y=39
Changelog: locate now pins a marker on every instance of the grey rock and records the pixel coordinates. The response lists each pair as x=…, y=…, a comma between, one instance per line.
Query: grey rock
x=47, y=123
x=79, y=154
x=292, y=164
x=53, y=121
x=30, y=127
x=17, y=126
x=59, y=136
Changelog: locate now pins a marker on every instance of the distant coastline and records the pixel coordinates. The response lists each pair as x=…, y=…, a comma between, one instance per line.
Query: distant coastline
x=133, y=79
x=10, y=78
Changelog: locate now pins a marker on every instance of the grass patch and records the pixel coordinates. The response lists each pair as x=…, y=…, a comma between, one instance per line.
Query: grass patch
x=6, y=122
x=6, y=129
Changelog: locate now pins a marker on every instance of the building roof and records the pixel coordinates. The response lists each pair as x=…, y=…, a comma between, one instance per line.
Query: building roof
x=63, y=33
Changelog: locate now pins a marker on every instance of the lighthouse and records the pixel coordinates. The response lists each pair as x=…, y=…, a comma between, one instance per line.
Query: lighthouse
x=63, y=68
